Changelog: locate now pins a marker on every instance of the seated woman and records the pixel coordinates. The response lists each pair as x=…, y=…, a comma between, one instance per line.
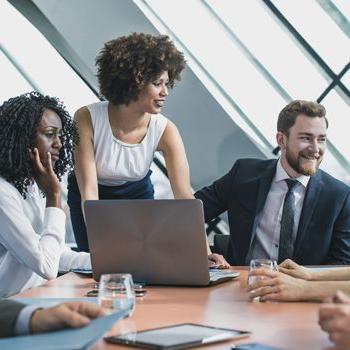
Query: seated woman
x=36, y=145
x=118, y=137
x=297, y=283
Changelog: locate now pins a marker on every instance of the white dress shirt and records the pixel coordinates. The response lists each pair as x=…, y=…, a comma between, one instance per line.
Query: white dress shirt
x=266, y=241
x=32, y=247
x=22, y=325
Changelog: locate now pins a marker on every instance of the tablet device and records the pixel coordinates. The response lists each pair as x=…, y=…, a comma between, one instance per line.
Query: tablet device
x=254, y=346
x=179, y=336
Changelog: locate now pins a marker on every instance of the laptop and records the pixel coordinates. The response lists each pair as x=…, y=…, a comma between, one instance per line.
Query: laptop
x=159, y=242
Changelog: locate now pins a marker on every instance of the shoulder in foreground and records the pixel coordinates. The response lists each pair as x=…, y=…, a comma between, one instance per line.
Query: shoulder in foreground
x=331, y=181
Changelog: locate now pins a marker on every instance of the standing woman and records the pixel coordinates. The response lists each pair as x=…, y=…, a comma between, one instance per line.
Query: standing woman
x=119, y=136
x=36, y=149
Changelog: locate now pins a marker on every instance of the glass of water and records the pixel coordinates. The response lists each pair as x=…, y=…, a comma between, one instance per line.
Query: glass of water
x=116, y=293
x=266, y=264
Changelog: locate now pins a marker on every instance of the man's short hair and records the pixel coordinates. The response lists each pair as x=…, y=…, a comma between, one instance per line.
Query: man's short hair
x=289, y=114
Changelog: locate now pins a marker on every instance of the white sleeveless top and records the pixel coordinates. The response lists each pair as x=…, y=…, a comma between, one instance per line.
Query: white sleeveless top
x=118, y=162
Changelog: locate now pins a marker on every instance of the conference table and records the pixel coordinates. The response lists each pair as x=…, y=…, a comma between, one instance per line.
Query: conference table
x=285, y=325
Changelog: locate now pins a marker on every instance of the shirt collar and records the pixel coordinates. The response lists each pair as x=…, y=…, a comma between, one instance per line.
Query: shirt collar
x=281, y=175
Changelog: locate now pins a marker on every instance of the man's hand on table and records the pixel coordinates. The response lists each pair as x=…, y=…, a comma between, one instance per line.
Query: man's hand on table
x=70, y=314
x=217, y=261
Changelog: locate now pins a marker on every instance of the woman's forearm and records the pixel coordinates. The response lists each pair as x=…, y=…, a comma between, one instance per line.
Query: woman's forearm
x=320, y=290
x=331, y=274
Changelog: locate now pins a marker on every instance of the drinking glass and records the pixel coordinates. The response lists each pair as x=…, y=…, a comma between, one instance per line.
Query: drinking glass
x=116, y=293
x=266, y=264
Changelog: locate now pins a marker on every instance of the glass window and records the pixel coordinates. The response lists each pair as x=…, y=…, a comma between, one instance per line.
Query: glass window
x=40, y=60
x=13, y=83
x=343, y=7
x=346, y=79
x=339, y=122
x=224, y=61
x=283, y=59
x=331, y=165
x=319, y=30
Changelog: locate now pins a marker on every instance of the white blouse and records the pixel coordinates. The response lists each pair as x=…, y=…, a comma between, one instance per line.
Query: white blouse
x=118, y=162
x=32, y=246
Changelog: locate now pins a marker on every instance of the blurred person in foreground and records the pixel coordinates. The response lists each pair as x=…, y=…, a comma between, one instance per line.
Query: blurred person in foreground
x=20, y=319
x=334, y=318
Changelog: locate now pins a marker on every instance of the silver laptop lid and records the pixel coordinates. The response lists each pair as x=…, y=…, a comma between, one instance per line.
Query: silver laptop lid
x=157, y=241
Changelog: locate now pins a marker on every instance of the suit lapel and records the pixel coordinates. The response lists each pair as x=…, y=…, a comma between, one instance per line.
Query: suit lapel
x=310, y=201
x=263, y=190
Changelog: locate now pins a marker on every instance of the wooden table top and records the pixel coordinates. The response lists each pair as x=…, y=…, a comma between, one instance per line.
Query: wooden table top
x=287, y=325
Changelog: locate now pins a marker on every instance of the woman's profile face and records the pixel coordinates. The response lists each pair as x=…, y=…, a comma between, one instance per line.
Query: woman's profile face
x=48, y=135
x=152, y=98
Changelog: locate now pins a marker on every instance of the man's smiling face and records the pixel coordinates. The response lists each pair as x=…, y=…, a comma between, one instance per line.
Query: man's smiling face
x=303, y=146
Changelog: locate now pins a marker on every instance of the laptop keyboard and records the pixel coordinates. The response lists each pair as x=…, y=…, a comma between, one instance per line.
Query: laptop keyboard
x=216, y=274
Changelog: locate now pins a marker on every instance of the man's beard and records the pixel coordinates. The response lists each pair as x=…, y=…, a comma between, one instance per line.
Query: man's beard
x=296, y=164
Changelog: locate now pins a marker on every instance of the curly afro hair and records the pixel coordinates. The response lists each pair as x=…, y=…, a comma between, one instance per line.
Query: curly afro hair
x=19, y=120
x=127, y=64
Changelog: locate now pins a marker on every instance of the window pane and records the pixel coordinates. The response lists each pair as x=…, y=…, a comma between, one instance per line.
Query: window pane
x=15, y=83
x=338, y=114
x=224, y=61
x=284, y=59
x=41, y=61
x=343, y=6
x=346, y=79
x=332, y=166
x=318, y=29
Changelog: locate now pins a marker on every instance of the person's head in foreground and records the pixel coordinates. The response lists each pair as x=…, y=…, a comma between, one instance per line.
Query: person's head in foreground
x=301, y=136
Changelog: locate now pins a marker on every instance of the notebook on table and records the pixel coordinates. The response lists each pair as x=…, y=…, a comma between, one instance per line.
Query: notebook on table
x=160, y=242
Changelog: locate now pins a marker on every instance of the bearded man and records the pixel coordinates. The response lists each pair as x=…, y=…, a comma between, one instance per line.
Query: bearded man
x=285, y=208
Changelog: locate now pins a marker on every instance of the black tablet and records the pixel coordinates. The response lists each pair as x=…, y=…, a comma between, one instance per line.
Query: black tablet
x=179, y=336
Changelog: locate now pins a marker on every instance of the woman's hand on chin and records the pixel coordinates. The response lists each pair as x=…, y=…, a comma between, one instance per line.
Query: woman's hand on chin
x=46, y=179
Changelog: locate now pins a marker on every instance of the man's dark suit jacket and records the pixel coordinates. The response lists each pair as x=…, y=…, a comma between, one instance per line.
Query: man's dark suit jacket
x=323, y=235
x=9, y=310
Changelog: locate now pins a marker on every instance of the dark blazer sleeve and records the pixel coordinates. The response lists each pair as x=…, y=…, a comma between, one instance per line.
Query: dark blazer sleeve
x=339, y=252
x=216, y=197
x=9, y=310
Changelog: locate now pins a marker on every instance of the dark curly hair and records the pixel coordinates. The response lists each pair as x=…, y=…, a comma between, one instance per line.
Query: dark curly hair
x=127, y=64
x=19, y=120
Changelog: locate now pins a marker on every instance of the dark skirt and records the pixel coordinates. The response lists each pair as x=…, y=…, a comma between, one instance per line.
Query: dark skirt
x=142, y=189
